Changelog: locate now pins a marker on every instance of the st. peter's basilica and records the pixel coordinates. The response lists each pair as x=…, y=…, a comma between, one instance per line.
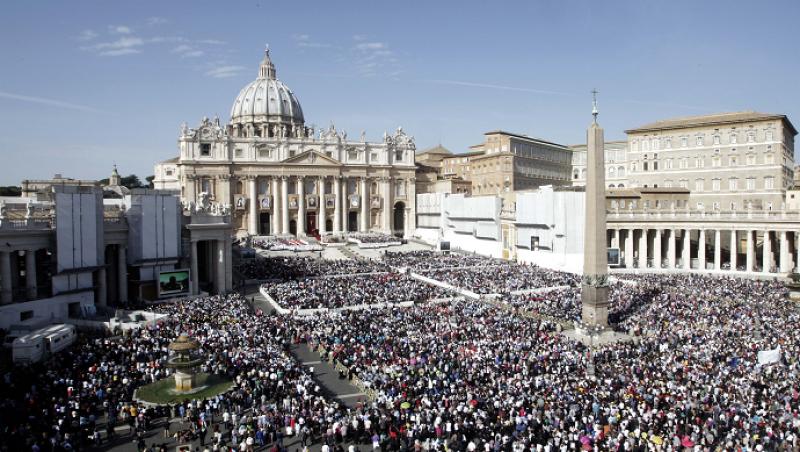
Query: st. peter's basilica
x=278, y=176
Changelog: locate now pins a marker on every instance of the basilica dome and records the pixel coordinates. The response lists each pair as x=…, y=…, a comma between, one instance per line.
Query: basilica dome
x=266, y=101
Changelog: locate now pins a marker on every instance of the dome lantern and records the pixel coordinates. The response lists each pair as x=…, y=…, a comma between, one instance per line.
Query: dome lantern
x=267, y=69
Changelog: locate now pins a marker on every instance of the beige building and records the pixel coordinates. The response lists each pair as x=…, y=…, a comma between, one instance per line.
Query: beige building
x=616, y=163
x=507, y=162
x=729, y=161
x=280, y=177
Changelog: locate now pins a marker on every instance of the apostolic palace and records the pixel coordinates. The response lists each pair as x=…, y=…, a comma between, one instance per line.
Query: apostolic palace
x=280, y=176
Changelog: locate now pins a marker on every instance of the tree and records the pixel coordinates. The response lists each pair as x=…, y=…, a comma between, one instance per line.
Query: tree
x=130, y=181
x=10, y=190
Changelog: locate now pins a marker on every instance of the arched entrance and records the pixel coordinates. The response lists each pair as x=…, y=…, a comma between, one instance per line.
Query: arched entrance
x=352, y=221
x=399, y=218
x=264, y=223
x=311, y=222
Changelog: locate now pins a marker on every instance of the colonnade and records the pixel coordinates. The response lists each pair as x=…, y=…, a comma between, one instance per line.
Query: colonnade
x=705, y=249
x=331, y=206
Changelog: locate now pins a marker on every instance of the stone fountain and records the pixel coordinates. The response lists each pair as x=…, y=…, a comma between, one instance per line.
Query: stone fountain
x=184, y=360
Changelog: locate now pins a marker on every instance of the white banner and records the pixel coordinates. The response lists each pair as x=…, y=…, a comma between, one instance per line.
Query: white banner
x=769, y=356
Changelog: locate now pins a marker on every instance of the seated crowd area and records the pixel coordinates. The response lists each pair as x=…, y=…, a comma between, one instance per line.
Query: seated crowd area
x=455, y=376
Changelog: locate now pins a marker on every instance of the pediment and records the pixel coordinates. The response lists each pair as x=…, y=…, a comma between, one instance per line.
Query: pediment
x=312, y=158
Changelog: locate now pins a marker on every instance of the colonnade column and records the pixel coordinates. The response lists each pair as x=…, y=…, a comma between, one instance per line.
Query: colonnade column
x=273, y=208
x=122, y=273
x=30, y=274
x=6, y=296
x=750, y=258
x=643, y=249
x=766, y=253
x=657, y=249
x=194, y=271
x=321, y=208
x=337, y=204
x=285, y=204
x=734, y=250
x=629, y=248
x=671, y=249
x=785, y=259
x=717, y=249
x=364, y=206
x=301, y=207
x=686, y=252
x=701, y=250
x=252, y=187
x=411, y=206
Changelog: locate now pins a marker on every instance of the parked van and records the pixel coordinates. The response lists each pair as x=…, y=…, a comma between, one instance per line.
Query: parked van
x=37, y=345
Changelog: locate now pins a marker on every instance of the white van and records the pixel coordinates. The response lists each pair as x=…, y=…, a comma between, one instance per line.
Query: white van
x=34, y=346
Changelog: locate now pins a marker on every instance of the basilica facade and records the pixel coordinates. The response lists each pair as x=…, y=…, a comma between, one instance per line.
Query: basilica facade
x=278, y=176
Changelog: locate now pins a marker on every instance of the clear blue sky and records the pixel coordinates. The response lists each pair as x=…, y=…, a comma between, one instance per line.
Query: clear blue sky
x=87, y=84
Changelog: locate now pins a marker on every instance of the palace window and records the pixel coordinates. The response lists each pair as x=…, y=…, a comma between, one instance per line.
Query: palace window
x=715, y=184
x=668, y=143
x=684, y=142
x=205, y=149
x=733, y=183
x=698, y=185
x=699, y=141
x=769, y=135
x=769, y=182
x=716, y=139
x=734, y=138
x=751, y=137
x=169, y=172
x=769, y=159
x=751, y=183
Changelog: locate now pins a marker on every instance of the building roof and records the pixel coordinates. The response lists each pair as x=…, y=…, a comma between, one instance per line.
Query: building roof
x=524, y=137
x=172, y=160
x=438, y=149
x=710, y=120
x=466, y=154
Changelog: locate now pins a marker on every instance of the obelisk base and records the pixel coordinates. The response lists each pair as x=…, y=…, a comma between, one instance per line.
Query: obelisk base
x=594, y=306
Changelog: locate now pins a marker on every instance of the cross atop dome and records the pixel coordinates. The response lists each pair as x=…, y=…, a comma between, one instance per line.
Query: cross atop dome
x=267, y=69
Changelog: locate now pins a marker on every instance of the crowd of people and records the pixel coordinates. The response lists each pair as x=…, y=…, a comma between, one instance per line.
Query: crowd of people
x=284, y=268
x=461, y=375
x=426, y=260
x=285, y=244
x=502, y=278
x=565, y=303
x=473, y=377
x=373, y=238
x=347, y=291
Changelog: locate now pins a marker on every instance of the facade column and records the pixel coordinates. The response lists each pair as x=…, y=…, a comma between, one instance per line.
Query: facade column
x=191, y=192
x=701, y=250
x=629, y=248
x=750, y=251
x=224, y=182
x=321, y=209
x=615, y=239
x=364, y=206
x=122, y=273
x=785, y=262
x=102, y=290
x=345, y=204
x=301, y=207
x=285, y=204
x=671, y=249
x=337, y=204
x=6, y=295
x=30, y=275
x=273, y=208
x=766, y=253
x=194, y=270
x=734, y=249
x=252, y=187
x=717, y=249
x=643, y=249
x=657, y=249
x=386, y=205
x=686, y=252
x=411, y=204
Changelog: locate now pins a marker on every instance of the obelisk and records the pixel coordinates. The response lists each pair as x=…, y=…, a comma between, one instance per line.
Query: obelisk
x=594, y=283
